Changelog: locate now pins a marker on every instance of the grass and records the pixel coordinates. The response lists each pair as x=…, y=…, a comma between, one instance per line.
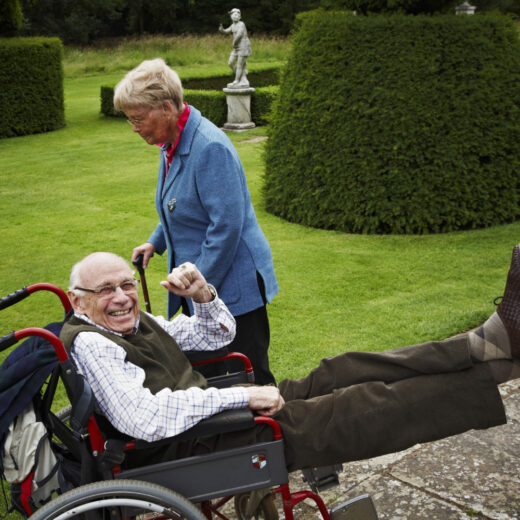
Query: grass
x=209, y=53
x=90, y=186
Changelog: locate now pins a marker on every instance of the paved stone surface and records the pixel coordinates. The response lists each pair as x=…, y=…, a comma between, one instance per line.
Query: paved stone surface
x=256, y=139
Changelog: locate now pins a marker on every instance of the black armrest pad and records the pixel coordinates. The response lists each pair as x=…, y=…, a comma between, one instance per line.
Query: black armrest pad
x=223, y=422
x=194, y=356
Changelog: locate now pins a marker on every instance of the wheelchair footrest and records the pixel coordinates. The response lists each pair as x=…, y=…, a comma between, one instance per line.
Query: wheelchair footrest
x=322, y=478
x=358, y=508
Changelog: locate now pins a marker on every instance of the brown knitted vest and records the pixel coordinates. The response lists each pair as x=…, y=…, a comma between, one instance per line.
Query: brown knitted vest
x=151, y=348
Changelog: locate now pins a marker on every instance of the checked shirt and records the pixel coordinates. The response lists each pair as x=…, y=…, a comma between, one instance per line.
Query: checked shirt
x=118, y=384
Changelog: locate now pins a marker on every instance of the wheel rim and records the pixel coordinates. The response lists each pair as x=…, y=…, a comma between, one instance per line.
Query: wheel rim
x=101, y=505
x=121, y=500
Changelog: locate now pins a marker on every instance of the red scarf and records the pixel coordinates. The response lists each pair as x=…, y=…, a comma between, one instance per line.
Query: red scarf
x=169, y=148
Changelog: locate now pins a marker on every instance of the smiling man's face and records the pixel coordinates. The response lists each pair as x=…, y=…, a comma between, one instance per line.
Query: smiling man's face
x=116, y=311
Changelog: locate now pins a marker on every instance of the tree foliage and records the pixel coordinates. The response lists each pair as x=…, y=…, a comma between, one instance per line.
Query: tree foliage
x=10, y=17
x=418, y=6
x=505, y=6
x=73, y=21
x=83, y=21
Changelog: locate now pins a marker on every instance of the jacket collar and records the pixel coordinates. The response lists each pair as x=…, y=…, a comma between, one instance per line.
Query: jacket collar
x=188, y=134
x=183, y=148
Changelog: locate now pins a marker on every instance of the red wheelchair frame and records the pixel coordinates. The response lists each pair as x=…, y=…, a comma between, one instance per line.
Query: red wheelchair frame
x=258, y=466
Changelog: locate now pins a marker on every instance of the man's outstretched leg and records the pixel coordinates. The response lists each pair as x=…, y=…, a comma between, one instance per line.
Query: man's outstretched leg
x=360, y=405
x=375, y=418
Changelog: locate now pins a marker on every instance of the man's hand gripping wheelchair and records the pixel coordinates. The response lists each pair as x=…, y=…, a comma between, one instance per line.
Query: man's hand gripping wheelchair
x=94, y=487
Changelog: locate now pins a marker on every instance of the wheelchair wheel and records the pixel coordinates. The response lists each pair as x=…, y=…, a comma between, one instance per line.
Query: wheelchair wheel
x=266, y=509
x=119, y=500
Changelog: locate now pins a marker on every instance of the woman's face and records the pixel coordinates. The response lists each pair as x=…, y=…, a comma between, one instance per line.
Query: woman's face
x=155, y=125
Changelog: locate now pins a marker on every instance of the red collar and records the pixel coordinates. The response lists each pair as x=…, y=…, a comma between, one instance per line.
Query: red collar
x=169, y=148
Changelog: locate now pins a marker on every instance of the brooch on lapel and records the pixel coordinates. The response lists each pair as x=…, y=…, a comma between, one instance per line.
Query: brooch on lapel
x=171, y=204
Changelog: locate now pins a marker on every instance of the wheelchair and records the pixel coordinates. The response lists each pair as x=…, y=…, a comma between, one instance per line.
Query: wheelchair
x=94, y=485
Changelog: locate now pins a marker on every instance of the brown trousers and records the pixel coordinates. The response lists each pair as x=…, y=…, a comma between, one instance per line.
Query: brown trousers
x=361, y=405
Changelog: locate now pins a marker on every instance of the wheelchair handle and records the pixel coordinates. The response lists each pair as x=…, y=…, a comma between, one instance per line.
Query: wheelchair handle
x=21, y=294
x=269, y=421
x=13, y=298
x=7, y=341
x=14, y=337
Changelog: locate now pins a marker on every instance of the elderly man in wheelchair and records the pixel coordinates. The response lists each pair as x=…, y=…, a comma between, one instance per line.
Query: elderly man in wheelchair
x=351, y=407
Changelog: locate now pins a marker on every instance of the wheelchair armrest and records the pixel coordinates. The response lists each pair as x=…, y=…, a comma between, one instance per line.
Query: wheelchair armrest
x=196, y=356
x=223, y=422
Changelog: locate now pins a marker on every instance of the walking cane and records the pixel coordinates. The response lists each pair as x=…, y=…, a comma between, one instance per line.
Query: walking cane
x=138, y=262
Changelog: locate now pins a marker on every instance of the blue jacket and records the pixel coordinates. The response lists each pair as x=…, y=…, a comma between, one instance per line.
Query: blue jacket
x=206, y=217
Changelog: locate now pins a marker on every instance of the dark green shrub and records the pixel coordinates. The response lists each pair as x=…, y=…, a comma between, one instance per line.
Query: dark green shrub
x=211, y=103
x=31, y=86
x=257, y=78
x=261, y=102
x=391, y=6
x=397, y=124
x=107, y=102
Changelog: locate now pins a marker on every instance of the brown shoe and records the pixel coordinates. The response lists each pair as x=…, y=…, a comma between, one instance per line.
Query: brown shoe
x=509, y=307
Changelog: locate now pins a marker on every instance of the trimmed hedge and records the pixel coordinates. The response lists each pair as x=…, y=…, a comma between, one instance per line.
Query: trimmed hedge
x=212, y=103
x=258, y=78
x=397, y=124
x=31, y=86
x=262, y=102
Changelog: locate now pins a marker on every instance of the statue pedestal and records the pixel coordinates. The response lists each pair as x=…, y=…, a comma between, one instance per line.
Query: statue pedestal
x=239, y=109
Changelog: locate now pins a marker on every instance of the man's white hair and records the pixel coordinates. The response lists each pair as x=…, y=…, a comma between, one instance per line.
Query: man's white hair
x=75, y=273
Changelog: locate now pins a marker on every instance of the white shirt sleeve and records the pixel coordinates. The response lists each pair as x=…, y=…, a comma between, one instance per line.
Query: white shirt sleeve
x=210, y=328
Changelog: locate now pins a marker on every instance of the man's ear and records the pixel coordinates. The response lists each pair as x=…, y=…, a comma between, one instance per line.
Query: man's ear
x=75, y=301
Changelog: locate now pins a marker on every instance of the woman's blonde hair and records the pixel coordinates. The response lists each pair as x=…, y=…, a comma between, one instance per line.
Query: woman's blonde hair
x=148, y=85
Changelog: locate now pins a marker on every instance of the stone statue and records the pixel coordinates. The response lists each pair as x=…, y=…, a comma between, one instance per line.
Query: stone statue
x=241, y=49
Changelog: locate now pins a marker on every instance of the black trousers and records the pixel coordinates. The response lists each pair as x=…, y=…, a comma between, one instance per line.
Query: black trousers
x=361, y=405
x=252, y=339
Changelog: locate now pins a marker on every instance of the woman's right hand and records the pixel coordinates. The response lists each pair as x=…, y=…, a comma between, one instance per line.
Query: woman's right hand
x=147, y=250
